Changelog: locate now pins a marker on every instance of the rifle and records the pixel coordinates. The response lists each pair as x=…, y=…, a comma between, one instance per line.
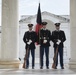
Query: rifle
x=55, y=57
x=25, y=58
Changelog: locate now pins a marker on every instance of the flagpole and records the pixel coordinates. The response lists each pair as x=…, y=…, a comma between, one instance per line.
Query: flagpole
x=39, y=21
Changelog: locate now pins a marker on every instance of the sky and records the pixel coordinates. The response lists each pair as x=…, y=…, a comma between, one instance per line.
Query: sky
x=59, y=7
x=30, y=7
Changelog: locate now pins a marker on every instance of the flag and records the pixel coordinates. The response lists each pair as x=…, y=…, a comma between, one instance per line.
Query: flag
x=38, y=20
x=39, y=23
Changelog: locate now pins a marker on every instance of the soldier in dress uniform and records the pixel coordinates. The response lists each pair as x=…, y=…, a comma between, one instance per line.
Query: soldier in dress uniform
x=29, y=39
x=58, y=38
x=44, y=40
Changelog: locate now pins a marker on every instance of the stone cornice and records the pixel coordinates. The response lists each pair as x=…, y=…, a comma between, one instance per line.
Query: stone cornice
x=61, y=17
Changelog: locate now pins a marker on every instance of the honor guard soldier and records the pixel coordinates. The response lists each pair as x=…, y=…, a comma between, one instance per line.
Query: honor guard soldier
x=58, y=38
x=29, y=39
x=44, y=40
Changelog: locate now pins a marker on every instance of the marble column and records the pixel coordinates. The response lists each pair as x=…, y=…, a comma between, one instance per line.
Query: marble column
x=72, y=63
x=10, y=35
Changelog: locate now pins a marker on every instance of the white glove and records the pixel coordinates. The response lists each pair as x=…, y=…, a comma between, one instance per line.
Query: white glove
x=29, y=42
x=44, y=38
x=44, y=41
x=58, y=42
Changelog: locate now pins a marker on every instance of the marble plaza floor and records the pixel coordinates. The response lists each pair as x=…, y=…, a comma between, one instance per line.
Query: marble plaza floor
x=38, y=71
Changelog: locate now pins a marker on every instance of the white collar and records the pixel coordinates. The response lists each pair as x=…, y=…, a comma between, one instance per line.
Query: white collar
x=30, y=31
x=58, y=30
x=44, y=29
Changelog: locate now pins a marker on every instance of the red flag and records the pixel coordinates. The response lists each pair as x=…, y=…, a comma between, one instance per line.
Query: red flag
x=39, y=22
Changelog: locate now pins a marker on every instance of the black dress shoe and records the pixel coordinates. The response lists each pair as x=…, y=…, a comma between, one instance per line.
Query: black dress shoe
x=41, y=67
x=32, y=67
x=47, y=67
x=55, y=68
x=62, y=67
x=27, y=67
